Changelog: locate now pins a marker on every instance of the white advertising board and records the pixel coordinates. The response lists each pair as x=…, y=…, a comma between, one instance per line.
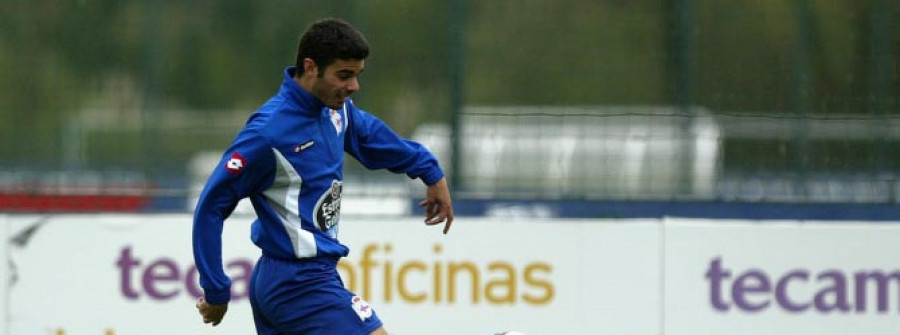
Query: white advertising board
x=133, y=274
x=743, y=277
x=110, y=274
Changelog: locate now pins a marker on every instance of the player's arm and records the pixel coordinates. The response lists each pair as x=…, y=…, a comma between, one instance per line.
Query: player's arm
x=244, y=169
x=376, y=146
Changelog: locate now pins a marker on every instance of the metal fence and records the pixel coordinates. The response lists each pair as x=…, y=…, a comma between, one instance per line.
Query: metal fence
x=111, y=102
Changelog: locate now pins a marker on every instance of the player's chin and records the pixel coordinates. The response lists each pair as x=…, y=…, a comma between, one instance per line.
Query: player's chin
x=338, y=103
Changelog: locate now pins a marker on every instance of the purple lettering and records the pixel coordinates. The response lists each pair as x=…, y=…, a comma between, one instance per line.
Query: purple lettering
x=881, y=281
x=781, y=295
x=837, y=289
x=752, y=291
x=191, y=284
x=162, y=278
x=163, y=270
x=716, y=275
x=125, y=264
x=753, y=281
x=240, y=279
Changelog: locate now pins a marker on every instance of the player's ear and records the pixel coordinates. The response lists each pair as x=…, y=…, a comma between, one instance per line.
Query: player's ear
x=309, y=66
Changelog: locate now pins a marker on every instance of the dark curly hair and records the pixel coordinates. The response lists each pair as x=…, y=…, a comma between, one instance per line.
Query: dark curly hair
x=329, y=39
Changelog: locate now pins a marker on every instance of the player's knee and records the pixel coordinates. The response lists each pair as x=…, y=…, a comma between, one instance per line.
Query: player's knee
x=379, y=331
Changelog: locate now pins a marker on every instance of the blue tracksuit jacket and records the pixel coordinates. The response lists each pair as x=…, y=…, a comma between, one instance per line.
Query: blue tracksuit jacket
x=289, y=161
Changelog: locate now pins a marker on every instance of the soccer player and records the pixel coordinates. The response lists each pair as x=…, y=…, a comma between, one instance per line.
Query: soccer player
x=289, y=161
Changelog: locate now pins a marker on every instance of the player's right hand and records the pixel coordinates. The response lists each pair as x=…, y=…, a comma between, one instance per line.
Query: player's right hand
x=211, y=313
x=438, y=205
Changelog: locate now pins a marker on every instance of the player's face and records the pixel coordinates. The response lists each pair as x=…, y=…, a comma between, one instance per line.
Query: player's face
x=338, y=82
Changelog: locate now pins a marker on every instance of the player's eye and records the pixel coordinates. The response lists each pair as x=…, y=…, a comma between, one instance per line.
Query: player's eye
x=344, y=75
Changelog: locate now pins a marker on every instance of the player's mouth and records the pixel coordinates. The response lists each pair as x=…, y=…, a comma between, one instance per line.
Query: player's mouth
x=337, y=102
x=341, y=98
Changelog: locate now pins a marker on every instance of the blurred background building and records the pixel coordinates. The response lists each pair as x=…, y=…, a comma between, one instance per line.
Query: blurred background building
x=125, y=105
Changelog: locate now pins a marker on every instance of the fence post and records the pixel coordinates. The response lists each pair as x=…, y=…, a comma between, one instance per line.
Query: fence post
x=680, y=82
x=879, y=77
x=152, y=73
x=802, y=92
x=458, y=15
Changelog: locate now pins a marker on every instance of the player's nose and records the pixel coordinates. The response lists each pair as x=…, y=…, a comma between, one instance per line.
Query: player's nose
x=353, y=85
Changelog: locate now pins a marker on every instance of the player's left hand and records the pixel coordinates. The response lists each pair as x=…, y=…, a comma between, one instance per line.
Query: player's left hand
x=211, y=313
x=438, y=205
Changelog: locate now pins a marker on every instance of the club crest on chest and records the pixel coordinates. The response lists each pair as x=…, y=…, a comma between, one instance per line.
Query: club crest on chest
x=337, y=120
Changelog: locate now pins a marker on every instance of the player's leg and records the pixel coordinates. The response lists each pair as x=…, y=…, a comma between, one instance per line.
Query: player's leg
x=326, y=307
x=263, y=326
x=379, y=331
x=308, y=297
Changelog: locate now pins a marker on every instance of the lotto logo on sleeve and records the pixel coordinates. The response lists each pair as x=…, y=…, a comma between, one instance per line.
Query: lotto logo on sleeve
x=361, y=307
x=236, y=164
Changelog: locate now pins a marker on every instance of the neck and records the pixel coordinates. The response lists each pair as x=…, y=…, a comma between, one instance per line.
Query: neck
x=305, y=83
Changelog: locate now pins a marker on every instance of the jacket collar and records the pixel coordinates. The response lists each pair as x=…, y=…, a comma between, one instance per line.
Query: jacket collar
x=298, y=95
